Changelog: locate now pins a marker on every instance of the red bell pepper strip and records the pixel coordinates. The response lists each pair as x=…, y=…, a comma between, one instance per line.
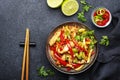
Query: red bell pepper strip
x=62, y=36
x=76, y=65
x=64, y=63
x=70, y=48
x=79, y=47
x=52, y=48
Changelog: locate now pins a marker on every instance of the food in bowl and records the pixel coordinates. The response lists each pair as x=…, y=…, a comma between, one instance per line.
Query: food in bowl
x=101, y=17
x=71, y=48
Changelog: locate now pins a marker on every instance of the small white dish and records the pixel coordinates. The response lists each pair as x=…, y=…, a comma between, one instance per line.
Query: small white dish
x=98, y=14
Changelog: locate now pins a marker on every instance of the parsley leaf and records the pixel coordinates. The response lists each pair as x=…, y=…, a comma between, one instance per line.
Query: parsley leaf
x=81, y=17
x=83, y=2
x=45, y=72
x=104, y=41
x=86, y=7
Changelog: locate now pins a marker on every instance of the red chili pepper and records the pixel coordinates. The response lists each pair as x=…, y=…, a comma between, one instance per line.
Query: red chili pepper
x=64, y=63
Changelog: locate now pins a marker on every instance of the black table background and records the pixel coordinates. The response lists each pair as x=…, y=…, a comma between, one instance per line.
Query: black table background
x=17, y=15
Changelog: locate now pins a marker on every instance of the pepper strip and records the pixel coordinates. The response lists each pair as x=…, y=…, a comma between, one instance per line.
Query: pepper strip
x=76, y=65
x=70, y=48
x=101, y=11
x=64, y=63
x=79, y=47
x=61, y=36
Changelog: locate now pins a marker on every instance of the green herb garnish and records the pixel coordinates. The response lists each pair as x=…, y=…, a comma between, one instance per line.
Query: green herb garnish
x=42, y=71
x=85, y=8
x=81, y=17
x=104, y=41
x=83, y=2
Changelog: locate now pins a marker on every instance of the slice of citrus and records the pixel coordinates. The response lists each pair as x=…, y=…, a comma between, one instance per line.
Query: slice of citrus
x=69, y=7
x=54, y=3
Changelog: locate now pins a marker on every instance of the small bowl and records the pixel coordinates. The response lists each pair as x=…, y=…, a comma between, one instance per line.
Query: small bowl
x=101, y=23
x=52, y=61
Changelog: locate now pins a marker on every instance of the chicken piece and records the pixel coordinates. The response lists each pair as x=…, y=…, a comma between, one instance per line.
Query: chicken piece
x=84, y=44
x=80, y=43
x=65, y=49
x=73, y=31
x=79, y=68
x=82, y=62
x=63, y=57
x=69, y=65
x=89, y=56
x=73, y=34
x=72, y=44
x=52, y=54
x=54, y=38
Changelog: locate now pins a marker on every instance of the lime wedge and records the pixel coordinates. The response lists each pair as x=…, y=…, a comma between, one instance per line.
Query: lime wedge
x=54, y=3
x=69, y=7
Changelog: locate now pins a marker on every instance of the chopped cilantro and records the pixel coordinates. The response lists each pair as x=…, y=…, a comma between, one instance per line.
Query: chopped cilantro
x=86, y=7
x=81, y=17
x=104, y=41
x=83, y=2
x=44, y=72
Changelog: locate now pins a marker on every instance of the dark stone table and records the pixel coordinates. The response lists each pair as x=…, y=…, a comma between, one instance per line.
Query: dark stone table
x=17, y=15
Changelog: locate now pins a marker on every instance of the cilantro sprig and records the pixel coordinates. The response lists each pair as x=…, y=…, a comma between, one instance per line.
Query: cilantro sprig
x=83, y=2
x=104, y=41
x=81, y=17
x=85, y=8
x=42, y=71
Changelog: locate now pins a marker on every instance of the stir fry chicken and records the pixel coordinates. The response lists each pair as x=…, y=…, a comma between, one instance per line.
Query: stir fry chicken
x=71, y=47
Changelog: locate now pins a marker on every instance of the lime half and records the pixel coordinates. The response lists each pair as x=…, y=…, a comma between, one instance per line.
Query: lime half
x=54, y=3
x=70, y=7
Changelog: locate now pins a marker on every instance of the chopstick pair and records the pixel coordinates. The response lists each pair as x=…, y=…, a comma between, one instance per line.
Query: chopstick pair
x=25, y=63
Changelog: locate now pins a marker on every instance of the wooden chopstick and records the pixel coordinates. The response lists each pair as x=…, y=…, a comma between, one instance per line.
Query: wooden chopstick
x=26, y=57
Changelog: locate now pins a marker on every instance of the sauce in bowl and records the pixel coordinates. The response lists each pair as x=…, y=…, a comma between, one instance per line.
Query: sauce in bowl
x=101, y=17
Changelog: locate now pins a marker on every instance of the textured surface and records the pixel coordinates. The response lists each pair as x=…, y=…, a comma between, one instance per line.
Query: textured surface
x=17, y=15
